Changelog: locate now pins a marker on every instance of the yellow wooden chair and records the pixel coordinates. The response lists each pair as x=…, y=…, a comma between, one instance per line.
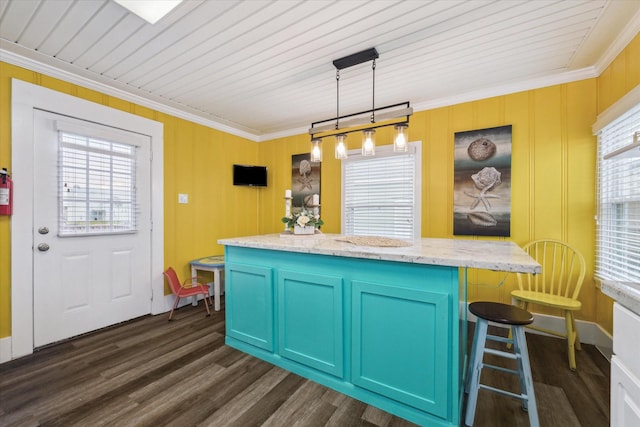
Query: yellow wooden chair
x=557, y=286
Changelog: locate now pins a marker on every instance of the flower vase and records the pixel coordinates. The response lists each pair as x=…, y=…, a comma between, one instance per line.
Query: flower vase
x=303, y=230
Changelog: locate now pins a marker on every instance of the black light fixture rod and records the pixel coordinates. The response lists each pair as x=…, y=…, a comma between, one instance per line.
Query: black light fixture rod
x=386, y=107
x=337, y=99
x=356, y=58
x=397, y=121
x=373, y=93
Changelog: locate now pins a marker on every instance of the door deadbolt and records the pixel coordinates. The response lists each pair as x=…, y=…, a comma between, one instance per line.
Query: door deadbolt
x=43, y=247
x=43, y=230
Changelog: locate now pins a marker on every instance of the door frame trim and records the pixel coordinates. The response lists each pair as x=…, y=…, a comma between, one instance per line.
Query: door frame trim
x=25, y=97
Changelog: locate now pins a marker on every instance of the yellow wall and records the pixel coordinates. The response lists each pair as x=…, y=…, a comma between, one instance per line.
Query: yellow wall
x=553, y=182
x=622, y=75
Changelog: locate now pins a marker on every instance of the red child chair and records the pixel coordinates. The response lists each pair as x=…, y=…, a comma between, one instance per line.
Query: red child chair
x=188, y=289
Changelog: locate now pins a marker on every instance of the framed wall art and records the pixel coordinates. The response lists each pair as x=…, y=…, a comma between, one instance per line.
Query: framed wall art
x=305, y=180
x=482, y=182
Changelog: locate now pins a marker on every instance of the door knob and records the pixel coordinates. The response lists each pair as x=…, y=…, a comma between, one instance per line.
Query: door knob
x=43, y=230
x=43, y=247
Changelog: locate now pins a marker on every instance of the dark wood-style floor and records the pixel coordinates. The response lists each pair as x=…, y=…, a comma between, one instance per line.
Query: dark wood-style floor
x=150, y=372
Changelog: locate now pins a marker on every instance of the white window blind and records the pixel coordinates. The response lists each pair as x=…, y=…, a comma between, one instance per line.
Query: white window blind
x=381, y=194
x=96, y=186
x=618, y=221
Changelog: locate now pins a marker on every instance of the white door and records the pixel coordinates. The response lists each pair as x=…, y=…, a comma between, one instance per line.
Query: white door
x=87, y=280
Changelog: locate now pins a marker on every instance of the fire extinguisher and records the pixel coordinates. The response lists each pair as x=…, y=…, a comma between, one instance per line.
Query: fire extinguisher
x=6, y=193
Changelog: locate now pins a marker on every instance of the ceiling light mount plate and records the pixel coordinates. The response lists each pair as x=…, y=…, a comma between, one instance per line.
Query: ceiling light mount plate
x=356, y=58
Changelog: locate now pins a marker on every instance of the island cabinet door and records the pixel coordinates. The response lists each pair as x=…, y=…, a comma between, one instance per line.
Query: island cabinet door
x=401, y=345
x=310, y=320
x=249, y=304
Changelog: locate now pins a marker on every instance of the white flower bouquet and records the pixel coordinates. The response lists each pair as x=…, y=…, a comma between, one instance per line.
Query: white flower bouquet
x=302, y=218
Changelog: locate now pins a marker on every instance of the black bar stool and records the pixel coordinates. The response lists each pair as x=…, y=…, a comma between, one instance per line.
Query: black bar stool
x=516, y=318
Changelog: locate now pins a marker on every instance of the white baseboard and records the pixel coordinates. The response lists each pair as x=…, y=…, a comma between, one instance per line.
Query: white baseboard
x=5, y=349
x=183, y=301
x=589, y=332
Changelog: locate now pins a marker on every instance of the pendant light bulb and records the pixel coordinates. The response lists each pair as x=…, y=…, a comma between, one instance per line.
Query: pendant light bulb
x=316, y=150
x=400, y=141
x=368, y=142
x=341, y=146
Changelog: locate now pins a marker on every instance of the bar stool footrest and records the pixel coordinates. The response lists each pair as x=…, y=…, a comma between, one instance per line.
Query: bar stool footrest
x=501, y=353
x=522, y=397
x=498, y=338
x=502, y=369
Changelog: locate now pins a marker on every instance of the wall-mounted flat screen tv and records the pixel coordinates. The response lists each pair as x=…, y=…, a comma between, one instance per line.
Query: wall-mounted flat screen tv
x=254, y=176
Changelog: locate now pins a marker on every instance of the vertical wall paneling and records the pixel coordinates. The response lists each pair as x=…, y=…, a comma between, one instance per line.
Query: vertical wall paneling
x=531, y=118
x=581, y=184
x=516, y=107
x=632, y=75
x=622, y=75
x=563, y=134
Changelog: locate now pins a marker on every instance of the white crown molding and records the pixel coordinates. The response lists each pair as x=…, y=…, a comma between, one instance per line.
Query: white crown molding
x=514, y=87
x=16, y=55
x=622, y=40
x=283, y=134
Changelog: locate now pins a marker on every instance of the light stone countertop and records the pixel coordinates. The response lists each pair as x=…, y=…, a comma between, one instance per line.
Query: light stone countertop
x=482, y=254
x=626, y=293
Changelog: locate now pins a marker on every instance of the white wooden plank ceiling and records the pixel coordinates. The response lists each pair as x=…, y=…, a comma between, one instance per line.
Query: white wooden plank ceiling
x=265, y=67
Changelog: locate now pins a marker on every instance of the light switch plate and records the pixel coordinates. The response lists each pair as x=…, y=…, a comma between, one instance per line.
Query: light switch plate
x=183, y=198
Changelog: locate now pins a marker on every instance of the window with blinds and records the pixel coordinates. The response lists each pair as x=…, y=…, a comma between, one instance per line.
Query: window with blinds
x=618, y=221
x=96, y=186
x=381, y=194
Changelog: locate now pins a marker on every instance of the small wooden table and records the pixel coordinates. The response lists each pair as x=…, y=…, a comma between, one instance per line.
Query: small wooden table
x=216, y=265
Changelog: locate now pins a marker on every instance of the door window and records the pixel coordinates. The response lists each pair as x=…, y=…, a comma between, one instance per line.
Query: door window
x=96, y=186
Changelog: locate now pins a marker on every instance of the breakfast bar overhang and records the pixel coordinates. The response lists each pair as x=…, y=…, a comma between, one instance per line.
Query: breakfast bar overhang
x=381, y=324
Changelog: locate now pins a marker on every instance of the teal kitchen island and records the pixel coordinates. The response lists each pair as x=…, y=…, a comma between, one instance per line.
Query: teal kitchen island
x=384, y=325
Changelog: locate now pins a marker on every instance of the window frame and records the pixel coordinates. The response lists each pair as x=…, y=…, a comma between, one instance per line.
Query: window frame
x=617, y=252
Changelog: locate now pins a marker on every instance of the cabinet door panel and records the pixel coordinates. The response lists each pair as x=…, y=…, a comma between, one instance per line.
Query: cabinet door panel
x=310, y=320
x=401, y=346
x=249, y=307
x=625, y=326
x=625, y=395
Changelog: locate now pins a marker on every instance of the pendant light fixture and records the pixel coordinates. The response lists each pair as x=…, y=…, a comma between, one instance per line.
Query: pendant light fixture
x=341, y=146
x=369, y=135
x=401, y=137
x=341, y=138
x=368, y=142
x=316, y=150
x=396, y=115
